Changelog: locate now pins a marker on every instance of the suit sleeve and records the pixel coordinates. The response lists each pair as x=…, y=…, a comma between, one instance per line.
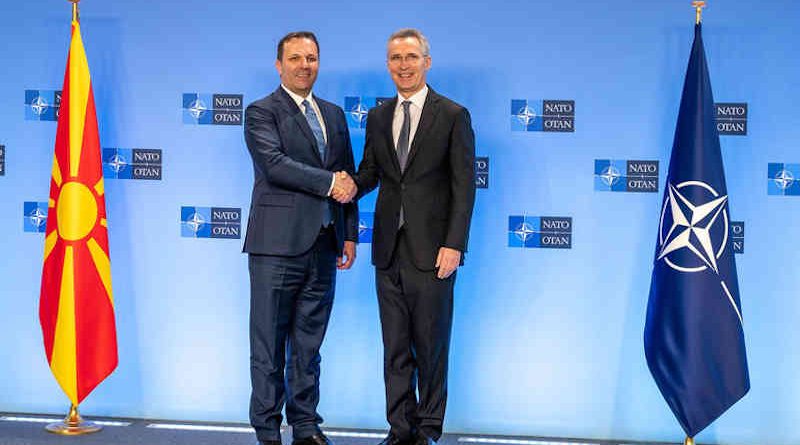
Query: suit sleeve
x=462, y=183
x=264, y=143
x=368, y=173
x=351, y=208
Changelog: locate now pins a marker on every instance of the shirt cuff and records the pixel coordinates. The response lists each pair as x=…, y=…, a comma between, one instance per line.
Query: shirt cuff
x=333, y=181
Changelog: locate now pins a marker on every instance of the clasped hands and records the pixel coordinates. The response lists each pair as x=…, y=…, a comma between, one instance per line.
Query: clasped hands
x=344, y=188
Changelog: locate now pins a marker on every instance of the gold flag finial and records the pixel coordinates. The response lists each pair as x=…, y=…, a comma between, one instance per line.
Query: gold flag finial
x=690, y=440
x=75, y=15
x=698, y=6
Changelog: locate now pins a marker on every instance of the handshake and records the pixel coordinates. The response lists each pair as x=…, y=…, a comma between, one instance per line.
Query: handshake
x=344, y=188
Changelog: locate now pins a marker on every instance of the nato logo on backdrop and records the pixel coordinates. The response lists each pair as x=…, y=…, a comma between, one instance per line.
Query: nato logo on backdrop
x=611, y=175
x=357, y=107
x=42, y=105
x=132, y=163
x=212, y=109
x=737, y=236
x=2, y=160
x=782, y=179
x=543, y=115
x=34, y=216
x=731, y=118
x=211, y=222
x=548, y=232
x=482, y=172
x=365, y=226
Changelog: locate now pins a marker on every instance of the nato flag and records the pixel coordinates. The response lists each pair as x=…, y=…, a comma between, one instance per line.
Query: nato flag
x=693, y=337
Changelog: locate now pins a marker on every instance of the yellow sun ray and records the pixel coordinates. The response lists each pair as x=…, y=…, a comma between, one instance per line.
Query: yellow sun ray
x=103, y=265
x=100, y=187
x=49, y=243
x=56, y=172
x=78, y=98
x=64, y=359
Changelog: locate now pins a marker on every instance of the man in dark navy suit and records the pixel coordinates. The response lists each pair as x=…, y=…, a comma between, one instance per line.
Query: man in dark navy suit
x=420, y=147
x=302, y=226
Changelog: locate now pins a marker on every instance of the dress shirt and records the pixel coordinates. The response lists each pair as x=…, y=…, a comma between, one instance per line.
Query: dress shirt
x=415, y=111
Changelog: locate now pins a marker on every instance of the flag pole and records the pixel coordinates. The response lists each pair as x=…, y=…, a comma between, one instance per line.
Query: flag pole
x=698, y=6
x=75, y=16
x=73, y=424
x=698, y=18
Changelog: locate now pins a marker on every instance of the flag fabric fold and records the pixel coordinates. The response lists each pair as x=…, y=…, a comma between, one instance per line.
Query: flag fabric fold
x=694, y=338
x=76, y=307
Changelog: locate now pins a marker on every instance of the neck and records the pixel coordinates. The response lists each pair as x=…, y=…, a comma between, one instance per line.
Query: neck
x=408, y=94
x=301, y=93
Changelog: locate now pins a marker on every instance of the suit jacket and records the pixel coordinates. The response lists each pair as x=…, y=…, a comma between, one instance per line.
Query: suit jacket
x=291, y=180
x=437, y=188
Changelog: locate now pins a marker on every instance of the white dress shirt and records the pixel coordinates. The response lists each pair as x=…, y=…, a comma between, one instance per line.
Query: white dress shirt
x=415, y=112
x=298, y=99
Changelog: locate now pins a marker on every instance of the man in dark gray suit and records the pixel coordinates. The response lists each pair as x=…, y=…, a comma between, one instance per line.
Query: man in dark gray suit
x=298, y=233
x=421, y=148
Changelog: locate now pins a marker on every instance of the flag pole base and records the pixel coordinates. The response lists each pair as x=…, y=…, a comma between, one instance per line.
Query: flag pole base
x=688, y=441
x=73, y=425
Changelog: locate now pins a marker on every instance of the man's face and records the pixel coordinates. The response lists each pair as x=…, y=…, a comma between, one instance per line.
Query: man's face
x=299, y=65
x=407, y=65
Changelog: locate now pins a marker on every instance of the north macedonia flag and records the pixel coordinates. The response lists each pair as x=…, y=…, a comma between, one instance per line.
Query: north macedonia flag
x=76, y=308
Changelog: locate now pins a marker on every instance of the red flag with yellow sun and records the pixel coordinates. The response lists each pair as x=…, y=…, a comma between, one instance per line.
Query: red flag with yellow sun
x=76, y=308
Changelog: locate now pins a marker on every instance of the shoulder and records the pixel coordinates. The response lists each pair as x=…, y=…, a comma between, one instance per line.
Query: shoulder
x=322, y=103
x=267, y=102
x=448, y=105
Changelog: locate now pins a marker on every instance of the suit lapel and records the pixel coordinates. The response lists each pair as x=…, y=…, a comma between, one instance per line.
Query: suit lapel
x=429, y=111
x=297, y=115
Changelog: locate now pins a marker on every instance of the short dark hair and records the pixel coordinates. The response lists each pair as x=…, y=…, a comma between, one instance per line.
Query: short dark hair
x=296, y=35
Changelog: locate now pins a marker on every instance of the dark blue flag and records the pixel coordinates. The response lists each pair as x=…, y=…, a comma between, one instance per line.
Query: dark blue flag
x=693, y=337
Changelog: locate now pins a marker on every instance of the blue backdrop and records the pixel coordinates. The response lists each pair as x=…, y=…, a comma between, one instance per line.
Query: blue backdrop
x=546, y=341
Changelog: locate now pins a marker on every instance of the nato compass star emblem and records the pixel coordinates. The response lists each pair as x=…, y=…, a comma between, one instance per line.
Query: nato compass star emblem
x=117, y=163
x=524, y=231
x=691, y=229
x=362, y=227
x=39, y=105
x=784, y=179
x=610, y=175
x=197, y=108
x=526, y=115
x=359, y=112
x=37, y=217
x=195, y=222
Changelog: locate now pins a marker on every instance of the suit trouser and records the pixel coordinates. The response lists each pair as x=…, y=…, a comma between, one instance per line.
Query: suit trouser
x=416, y=311
x=290, y=305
